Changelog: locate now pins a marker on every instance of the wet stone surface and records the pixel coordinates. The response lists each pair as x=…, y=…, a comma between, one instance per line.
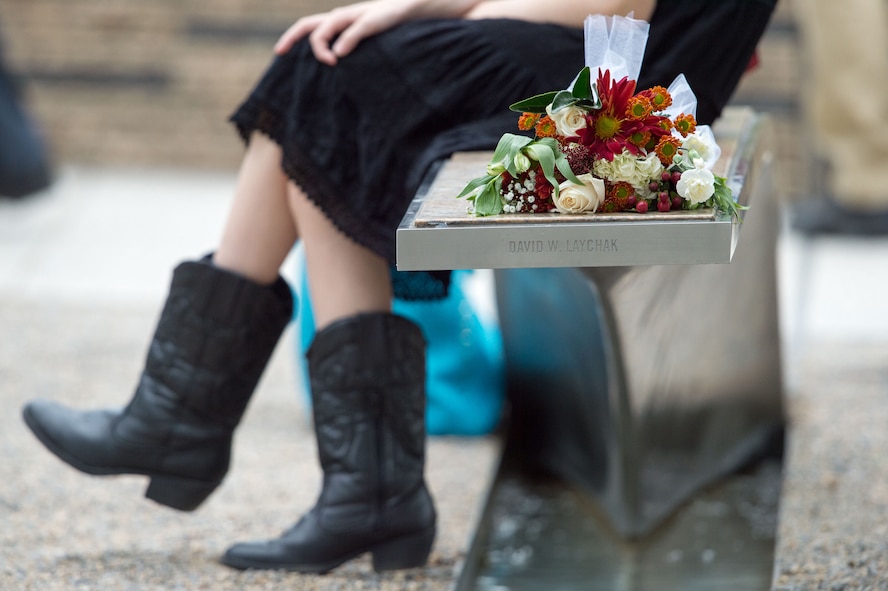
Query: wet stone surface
x=544, y=536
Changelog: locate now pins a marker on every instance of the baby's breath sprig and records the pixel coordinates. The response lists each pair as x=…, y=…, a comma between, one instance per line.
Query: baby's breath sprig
x=516, y=154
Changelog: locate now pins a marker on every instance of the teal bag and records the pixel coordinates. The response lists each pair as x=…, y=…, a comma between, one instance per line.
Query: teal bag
x=464, y=359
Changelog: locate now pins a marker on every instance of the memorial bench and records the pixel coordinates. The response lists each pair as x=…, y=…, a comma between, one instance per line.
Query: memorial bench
x=642, y=351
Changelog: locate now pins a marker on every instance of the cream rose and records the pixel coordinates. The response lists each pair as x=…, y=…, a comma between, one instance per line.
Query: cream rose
x=702, y=141
x=568, y=120
x=574, y=198
x=696, y=185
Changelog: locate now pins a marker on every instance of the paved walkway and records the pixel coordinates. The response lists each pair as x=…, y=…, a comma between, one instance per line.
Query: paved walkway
x=833, y=526
x=83, y=270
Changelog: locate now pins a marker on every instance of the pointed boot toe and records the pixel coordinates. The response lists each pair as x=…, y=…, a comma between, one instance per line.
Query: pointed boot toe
x=76, y=437
x=88, y=440
x=214, y=337
x=299, y=550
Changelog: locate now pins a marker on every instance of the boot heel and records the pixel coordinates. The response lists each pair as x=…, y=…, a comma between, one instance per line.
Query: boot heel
x=183, y=494
x=410, y=551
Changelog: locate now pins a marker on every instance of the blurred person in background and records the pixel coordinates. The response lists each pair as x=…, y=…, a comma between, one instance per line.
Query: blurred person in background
x=340, y=131
x=24, y=163
x=846, y=105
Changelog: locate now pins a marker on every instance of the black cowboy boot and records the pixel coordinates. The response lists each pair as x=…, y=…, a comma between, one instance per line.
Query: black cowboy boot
x=212, y=342
x=368, y=390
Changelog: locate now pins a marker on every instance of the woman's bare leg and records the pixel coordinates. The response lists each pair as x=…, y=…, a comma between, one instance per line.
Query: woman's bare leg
x=344, y=278
x=203, y=365
x=366, y=370
x=260, y=231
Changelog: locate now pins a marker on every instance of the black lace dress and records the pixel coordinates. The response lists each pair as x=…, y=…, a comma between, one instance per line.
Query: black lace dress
x=359, y=137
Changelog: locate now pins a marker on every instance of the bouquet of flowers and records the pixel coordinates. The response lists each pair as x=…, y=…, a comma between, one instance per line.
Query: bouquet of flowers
x=604, y=146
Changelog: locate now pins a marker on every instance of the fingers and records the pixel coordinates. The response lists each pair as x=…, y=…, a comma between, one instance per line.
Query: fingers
x=320, y=29
x=297, y=31
x=362, y=28
x=322, y=37
x=347, y=25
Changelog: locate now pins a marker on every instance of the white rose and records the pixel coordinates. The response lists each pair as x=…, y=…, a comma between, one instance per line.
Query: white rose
x=702, y=141
x=696, y=185
x=574, y=198
x=568, y=120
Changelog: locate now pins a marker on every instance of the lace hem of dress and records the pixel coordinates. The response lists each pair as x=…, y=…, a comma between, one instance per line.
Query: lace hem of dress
x=412, y=285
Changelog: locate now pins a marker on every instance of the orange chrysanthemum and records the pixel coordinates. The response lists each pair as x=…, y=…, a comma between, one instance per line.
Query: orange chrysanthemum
x=639, y=107
x=621, y=190
x=610, y=205
x=527, y=121
x=659, y=97
x=685, y=124
x=666, y=124
x=545, y=127
x=666, y=149
x=640, y=138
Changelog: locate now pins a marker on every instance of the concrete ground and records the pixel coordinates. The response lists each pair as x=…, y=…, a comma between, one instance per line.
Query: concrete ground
x=833, y=524
x=83, y=271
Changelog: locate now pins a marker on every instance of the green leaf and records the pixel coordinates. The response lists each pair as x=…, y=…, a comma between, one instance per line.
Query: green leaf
x=589, y=105
x=564, y=166
x=562, y=100
x=594, y=97
x=488, y=201
x=545, y=155
x=550, y=143
x=561, y=162
x=586, y=91
x=508, y=146
x=582, y=86
x=474, y=184
x=534, y=104
x=724, y=199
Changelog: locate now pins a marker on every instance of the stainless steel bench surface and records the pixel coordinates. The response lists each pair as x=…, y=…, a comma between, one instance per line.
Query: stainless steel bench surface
x=437, y=233
x=643, y=373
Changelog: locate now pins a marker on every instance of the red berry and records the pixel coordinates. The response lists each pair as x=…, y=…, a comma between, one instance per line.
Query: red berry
x=676, y=176
x=666, y=176
x=676, y=202
x=631, y=201
x=663, y=197
x=654, y=186
x=641, y=207
x=664, y=205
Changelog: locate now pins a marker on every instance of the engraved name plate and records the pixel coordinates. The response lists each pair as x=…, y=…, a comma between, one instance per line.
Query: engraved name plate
x=438, y=233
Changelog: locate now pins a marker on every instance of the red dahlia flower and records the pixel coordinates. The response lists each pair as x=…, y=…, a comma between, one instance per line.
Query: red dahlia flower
x=622, y=121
